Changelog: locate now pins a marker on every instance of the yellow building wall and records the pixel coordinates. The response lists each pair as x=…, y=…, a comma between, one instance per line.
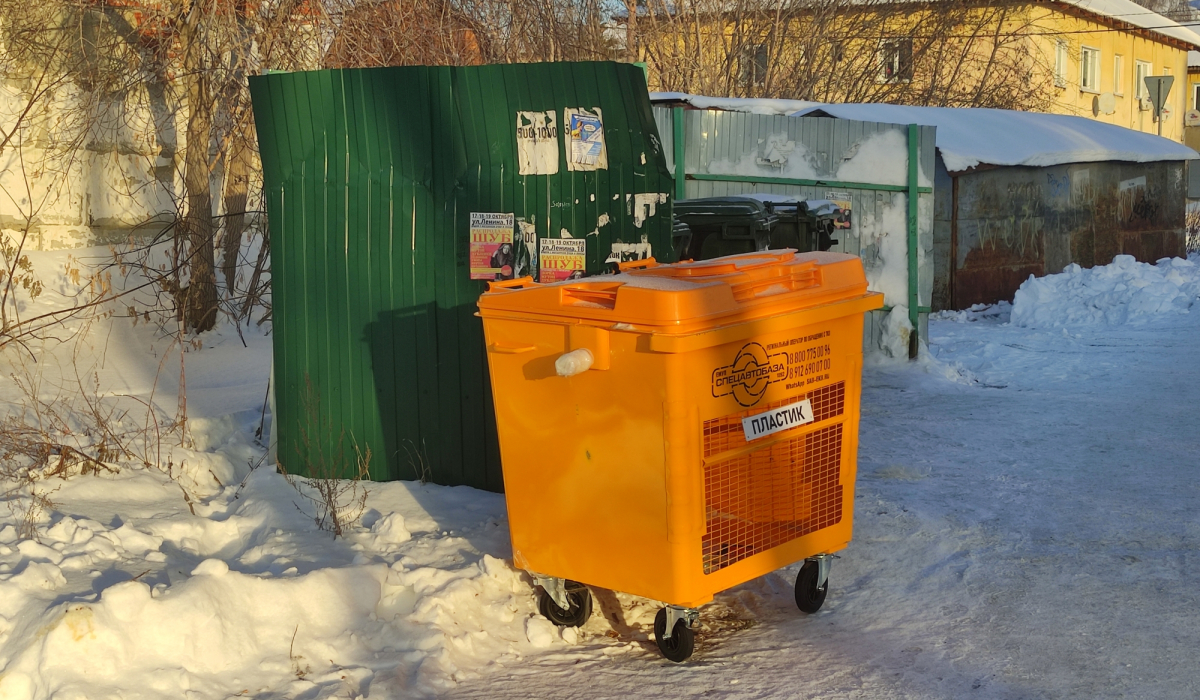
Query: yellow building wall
x=1078, y=32
x=1191, y=134
x=1043, y=26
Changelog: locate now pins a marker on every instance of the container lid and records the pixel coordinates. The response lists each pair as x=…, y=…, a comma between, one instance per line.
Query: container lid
x=746, y=211
x=689, y=296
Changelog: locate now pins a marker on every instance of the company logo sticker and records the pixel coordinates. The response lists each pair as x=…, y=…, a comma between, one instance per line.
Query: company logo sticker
x=752, y=371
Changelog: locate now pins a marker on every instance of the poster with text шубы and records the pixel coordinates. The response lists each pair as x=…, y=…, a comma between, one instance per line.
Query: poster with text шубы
x=492, y=253
x=585, y=139
x=561, y=258
x=537, y=143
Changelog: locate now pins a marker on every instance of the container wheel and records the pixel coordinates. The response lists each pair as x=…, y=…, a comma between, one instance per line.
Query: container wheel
x=808, y=597
x=579, y=609
x=682, y=642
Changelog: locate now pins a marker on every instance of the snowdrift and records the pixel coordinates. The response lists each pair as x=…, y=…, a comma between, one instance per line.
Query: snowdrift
x=1121, y=292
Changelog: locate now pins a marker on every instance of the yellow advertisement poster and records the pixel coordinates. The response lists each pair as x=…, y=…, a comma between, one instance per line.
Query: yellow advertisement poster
x=491, y=252
x=561, y=259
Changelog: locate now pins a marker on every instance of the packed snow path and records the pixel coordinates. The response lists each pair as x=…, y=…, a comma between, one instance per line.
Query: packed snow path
x=1027, y=529
x=1027, y=526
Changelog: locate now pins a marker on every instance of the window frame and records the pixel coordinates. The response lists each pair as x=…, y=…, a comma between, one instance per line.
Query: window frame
x=895, y=54
x=1062, y=60
x=1089, y=63
x=1195, y=95
x=1139, y=78
x=753, y=65
x=1118, y=75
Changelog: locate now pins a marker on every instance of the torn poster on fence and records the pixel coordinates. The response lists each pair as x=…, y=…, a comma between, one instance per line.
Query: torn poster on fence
x=843, y=201
x=626, y=252
x=561, y=258
x=585, y=139
x=526, y=254
x=492, y=255
x=537, y=143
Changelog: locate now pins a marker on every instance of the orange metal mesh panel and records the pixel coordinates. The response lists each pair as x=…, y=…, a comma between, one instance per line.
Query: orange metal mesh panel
x=725, y=433
x=770, y=496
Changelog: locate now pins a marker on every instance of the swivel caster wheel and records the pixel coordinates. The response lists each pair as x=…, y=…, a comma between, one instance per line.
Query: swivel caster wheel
x=810, y=596
x=682, y=642
x=578, y=610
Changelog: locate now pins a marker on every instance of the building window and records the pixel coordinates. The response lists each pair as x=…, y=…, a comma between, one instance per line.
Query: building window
x=1061, y=57
x=1141, y=69
x=1089, y=69
x=1195, y=95
x=753, y=65
x=1119, y=75
x=895, y=61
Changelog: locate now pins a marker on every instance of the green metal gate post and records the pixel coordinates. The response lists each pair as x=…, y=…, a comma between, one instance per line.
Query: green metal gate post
x=913, y=310
x=677, y=142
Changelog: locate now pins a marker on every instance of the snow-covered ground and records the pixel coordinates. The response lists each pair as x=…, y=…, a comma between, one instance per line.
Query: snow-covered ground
x=1027, y=526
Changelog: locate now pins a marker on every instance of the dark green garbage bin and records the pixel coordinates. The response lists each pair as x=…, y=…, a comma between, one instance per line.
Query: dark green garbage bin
x=744, y=224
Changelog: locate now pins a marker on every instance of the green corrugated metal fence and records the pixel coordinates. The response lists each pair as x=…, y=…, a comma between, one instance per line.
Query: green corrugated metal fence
x=370, y=179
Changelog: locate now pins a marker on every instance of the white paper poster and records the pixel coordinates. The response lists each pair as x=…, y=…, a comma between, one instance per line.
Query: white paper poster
x=537, y=143
x=585, y=139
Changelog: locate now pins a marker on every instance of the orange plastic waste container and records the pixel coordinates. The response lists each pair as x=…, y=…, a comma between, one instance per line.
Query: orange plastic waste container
x=676, y=430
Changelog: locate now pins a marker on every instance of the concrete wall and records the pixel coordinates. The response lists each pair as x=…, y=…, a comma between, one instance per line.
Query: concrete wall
x=1013, y=222
x=82, y=171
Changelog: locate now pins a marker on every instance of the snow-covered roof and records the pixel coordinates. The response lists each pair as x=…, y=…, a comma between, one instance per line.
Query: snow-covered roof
x=970, y=137
x=1133, y=13
x=755, y=105
x=1193, y=59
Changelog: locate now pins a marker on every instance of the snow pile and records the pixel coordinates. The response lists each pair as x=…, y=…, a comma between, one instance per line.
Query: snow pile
x=885, y=251
x=247, y=596
x=897, y=332
x=1000, y=311
x=1123, y=291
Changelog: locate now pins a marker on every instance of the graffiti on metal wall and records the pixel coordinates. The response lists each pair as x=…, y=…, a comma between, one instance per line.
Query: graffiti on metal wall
x=1135, y=201
x=1058, y=185
x=1021, y=231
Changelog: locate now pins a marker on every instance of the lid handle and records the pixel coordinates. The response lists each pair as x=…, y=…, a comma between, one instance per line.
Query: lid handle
x=804, y=276
x=519, y=283
x=601, y=295
x=636, y=264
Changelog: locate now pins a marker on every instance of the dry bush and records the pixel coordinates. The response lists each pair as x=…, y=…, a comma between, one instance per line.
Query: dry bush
x=332, y=481
x=418, y=460
x=1192, y=226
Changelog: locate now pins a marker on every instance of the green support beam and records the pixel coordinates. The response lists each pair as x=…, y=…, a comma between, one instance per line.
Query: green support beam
x=913, y=191
x=680, y=166
x=804, y=183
